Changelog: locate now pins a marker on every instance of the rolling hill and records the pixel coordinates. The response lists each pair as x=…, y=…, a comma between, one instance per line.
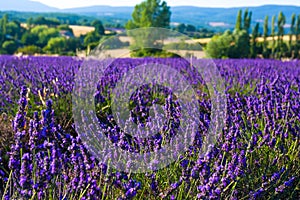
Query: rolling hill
x=222, y=17
x=25, y=6
x=217, y=18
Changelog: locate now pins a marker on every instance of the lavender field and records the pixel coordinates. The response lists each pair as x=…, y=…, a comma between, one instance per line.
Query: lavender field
x=256, y=154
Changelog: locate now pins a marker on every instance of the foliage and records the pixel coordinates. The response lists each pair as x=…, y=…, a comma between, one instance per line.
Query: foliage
x=29, y=38
x=152, y=52
x=99, y=28
x=229, y=45
x=238, y=25
x=266, y=53
x=220, y=47
x=30, y=50
x=44, y=21
x=65, y=27
x=56, y=45
x=110, y=42
x=92, y=37
x=255, y=34
x=10, y=46
x=39, y=32
x=150, y=13
x=184, y=46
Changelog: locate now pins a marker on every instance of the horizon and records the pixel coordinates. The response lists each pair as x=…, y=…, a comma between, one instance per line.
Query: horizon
x=66, y=4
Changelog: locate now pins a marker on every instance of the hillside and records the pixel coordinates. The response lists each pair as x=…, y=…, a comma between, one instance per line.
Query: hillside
x=215, y=18
x=25, y=6
x=206, y=17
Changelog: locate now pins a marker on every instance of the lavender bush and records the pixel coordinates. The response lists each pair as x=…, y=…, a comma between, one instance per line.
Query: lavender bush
x=256, y=156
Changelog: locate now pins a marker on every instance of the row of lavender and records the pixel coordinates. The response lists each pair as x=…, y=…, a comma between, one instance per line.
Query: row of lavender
x=256, y=156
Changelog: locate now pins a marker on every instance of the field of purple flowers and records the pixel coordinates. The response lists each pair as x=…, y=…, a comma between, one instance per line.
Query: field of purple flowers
x=256, y=156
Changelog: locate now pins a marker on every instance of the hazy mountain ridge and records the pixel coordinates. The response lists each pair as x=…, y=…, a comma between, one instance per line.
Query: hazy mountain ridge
x=25, y=6
x=198, y=16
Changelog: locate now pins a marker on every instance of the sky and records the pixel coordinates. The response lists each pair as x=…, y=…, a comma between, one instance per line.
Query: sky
x=199, y=3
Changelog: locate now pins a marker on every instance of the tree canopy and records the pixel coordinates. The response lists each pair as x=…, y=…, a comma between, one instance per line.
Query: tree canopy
x=150, y=13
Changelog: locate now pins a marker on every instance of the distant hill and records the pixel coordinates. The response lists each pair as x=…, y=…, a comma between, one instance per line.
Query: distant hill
x=217, y=18
x=206, y=16
x=198, y=16
x=25, y=6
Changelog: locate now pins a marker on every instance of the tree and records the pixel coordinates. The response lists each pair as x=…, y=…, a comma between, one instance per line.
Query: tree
x=238, y=25
x=241, y=47
x=98, y=27
x=44, y=33
x=218, y=47
x=29, y=38
x=56, y=45
x=280, y=24
x=30, y=50
x=150, y=13
x=14, y=29
x=229, y=45
x=72, y=44
x=255, y=34
x=29, y=22
x=65, y=27
x=91, y=38
x=247, y=20
x=10, y=46
x=43, y=21
x=265, y=34
x=4, y=22
x=190, y=28
x=273, y=35
x=181, y=28
x=292, y=32
x=297, y=32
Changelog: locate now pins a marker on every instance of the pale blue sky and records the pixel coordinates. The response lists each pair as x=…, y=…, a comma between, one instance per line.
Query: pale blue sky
x=200, y=3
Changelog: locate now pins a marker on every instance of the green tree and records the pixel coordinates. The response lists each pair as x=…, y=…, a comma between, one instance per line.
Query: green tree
x=255, y=34
x=29, y=38
x=280, y=24
x=190, y=28
x=247, y=20
x=181, y=28
x=266, y=34
x=150, y=13
x=10, y=46
x=229, y=45
x=14, y=29
x=4, y=22
x=273, y=35
x=91, y=38
x=220, y=46
x=238, y=25
x=297, y=33
x=65, y=27
x=292, y=32
x=45, y=34
x=241, y=47
x=30, y=50
x=29, y=22
x=99, y=28
x=43, y=21
x=56, y=45
x=73, y=44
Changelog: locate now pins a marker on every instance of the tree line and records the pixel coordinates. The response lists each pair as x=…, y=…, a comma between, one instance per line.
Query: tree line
x=46, y=36
x=240, y=43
